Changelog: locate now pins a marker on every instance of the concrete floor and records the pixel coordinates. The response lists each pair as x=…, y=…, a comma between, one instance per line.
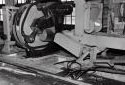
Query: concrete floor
x=45, y=63
x=7, y=78
x=10, y=78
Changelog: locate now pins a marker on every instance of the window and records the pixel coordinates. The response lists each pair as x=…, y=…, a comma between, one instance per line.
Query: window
x=2, y=2
x=1, y=17
x=21, y=1
x=70, y=19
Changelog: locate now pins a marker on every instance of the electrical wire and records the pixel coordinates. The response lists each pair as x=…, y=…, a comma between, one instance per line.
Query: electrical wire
x=76, y=73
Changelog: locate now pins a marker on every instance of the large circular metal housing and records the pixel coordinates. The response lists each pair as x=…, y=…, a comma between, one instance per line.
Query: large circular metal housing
x=31, y=29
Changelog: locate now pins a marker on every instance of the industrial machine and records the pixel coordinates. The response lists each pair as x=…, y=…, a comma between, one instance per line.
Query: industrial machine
x=99, y=27
x=37, y=33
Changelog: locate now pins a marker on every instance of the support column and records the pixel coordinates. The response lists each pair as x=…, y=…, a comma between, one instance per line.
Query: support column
x=82, y=17
x=8, y=13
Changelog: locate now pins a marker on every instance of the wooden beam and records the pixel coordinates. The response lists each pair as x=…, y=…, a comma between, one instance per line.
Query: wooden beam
x=73, y=46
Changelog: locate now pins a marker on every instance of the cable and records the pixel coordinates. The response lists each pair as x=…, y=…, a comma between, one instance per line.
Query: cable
x=77, y=72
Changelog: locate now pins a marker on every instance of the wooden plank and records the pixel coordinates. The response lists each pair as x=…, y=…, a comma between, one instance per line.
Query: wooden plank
x=69, y=44
x=117, y=77
x=99, y=40
x=104, y=41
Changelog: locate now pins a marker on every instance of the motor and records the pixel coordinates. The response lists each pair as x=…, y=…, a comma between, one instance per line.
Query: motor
x=36, y=24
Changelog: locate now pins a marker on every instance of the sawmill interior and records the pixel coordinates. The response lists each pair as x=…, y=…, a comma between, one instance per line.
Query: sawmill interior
x=62, y=42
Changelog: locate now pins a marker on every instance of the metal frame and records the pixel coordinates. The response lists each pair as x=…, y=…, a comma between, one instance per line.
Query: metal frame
x=77, y=41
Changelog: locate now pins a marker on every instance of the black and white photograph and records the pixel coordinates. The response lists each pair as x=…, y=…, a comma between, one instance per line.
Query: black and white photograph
x=62, y=42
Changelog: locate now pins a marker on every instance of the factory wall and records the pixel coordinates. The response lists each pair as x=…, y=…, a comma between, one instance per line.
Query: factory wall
x=69, y=19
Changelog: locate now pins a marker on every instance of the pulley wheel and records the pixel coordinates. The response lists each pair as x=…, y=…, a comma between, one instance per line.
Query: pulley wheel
x=25, y=36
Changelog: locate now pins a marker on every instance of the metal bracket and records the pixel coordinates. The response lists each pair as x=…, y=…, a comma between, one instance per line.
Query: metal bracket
x=92, y=51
